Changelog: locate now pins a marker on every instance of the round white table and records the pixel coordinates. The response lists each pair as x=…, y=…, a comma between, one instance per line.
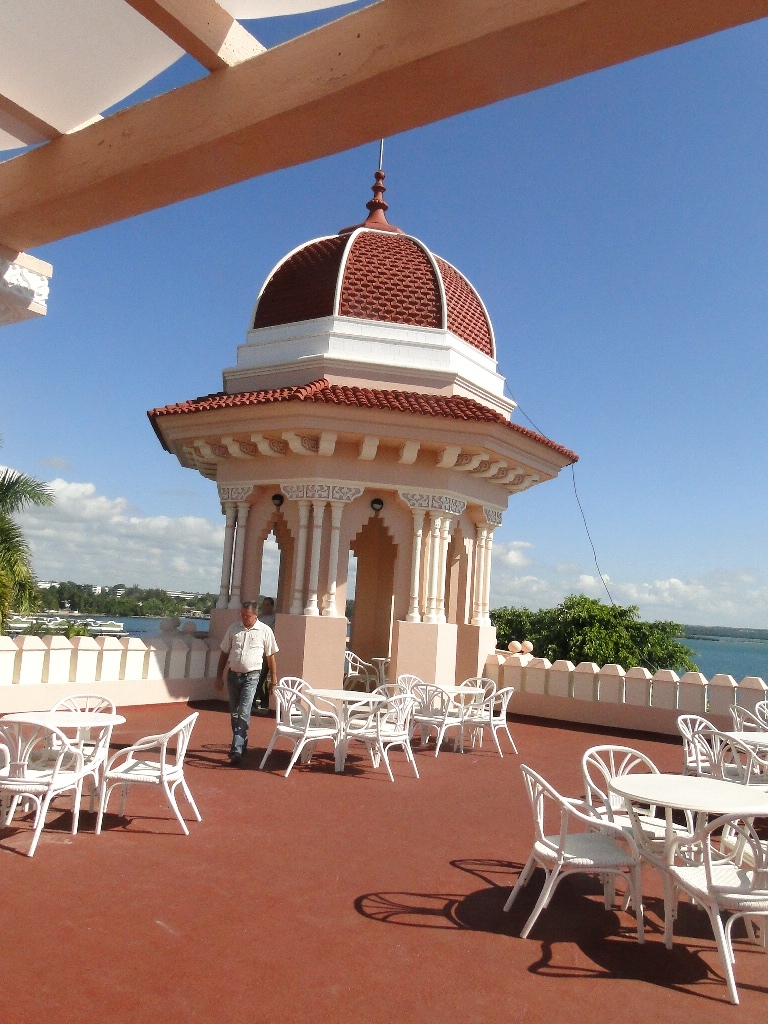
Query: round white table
x=344, y=699
x=750, y=738
x=702, y=795
x=65, y=719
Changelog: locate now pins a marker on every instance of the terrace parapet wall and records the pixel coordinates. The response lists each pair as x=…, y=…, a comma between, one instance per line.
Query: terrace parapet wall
x=35, y=671
x=610, y=696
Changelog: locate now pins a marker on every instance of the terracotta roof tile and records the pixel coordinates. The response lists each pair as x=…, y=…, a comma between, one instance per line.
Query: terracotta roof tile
x=304, y=286
x=466, y=316
x=455, y=407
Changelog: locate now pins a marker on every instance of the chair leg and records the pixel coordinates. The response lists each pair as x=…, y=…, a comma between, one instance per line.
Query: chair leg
x=669, y=908
x=386, y=762
x=635, y=886
x=171, y=798
x=509, y=734
x=190, y=801
x=494, y=733
x=40, y=823
x=294, y=757
x=76, y=806
x=103, y=800
x=543, y=901
x=724, y=949
x=268, y=750
x=411, y=758
x=523, y=877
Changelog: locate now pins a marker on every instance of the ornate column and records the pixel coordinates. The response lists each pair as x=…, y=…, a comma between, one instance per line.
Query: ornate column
x=486, y=589
x=434, y=566
x=329, y=602
x=230, y=511
x=445, y=533
x=479, y=574
x=413, y=607
x=301, y=555
x=243, y=508
x=318, y=511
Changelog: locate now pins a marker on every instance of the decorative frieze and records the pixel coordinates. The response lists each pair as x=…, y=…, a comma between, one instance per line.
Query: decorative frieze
x=318, y=492
x=492, y=516
x=466, y=463
x=270, y=446
x=434, y=502
x=235, y=492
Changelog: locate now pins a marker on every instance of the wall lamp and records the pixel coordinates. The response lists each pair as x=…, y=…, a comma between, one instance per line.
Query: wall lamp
x=377, y=504
x=277, y=500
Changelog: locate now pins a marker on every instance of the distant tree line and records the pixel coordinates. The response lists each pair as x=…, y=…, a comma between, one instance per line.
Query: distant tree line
x=583, y=629
x=133, y=601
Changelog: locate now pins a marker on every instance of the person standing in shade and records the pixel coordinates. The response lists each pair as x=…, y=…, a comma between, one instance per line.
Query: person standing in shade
x=246, y=645
x=261, y=701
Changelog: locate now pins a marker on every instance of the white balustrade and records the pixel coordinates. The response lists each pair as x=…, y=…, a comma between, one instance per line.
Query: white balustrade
x=58, y=659
x=8, y=654
x=536, y=672
x=610, y=684
x=29, y=668
x=561, y=679
x=134, y=656
x=585, y=680
x=751, y=690
x=110, y=657
x=637, y=687
x=664, y=689
x=722, y=694
x=692, y=694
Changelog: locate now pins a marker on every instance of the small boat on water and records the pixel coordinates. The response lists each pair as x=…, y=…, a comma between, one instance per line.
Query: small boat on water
x=97, y=627
x=56, y=624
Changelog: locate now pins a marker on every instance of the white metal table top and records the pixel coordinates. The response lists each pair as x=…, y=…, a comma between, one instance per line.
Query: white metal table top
x=65, y=719
x=692, y=793
x=750, y=738
x=347, y=696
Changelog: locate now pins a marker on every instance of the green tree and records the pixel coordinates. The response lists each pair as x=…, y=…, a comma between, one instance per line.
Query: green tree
x=18, y=587
x=583, y=629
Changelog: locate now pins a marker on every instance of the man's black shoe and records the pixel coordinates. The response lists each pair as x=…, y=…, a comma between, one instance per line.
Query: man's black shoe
x=235, y=760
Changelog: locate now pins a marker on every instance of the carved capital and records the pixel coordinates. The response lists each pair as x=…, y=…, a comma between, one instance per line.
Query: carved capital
x=235, y=492
x=321, y=491
x=433, y=502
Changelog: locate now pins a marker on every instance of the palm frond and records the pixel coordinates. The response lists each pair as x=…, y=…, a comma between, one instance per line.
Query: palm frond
x=17, y=491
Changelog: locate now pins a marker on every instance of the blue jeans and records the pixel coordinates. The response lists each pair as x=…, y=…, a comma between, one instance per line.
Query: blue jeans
x=241, y=689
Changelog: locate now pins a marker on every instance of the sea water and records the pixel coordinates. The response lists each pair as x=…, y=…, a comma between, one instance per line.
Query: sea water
x=734, y=657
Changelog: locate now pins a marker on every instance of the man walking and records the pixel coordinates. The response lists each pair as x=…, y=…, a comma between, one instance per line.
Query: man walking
x=245, y=645
x=261, y=701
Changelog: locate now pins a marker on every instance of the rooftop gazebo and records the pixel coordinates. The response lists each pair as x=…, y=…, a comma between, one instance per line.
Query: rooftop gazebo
x=365, y=413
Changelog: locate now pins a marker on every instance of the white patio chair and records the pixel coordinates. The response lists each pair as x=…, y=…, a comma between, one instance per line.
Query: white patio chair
x=42, y=763
x=79, y=702
x=741, y=762
x=407, y=682
x=699, y=747
x=730, y=878
x=490, y=714
x=302, y=720
x=581, y=842
x=132, y=767
x=761, y=713
x=745, y=721
x=358, y=671
x=435, y=710
x=382, y=726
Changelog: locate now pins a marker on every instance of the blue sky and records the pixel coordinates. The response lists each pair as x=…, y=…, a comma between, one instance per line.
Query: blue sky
x=616, y=229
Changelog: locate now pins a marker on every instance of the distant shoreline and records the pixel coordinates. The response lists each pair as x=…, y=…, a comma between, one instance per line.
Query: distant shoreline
x=732, y=632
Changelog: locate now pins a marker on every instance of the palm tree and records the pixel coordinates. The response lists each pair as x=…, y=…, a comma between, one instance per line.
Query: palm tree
x=18, y=586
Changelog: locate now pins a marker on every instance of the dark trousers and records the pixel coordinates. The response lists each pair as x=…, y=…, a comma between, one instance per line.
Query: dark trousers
x=241, y=689
x=262, y=693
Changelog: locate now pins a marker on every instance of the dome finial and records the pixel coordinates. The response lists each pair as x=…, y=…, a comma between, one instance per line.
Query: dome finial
x=376, y=207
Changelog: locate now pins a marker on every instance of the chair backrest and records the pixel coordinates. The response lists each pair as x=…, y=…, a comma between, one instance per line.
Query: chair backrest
x=296, y=708
x=85, y=702
x=740, y=762
x=499, y=701
x=547, y=804
x=761, y=712
x=388, y=690
x=294, y=683
x=745, y=721
x=407, y=682
x=486, y=685
x=181, y=732
x=396, y=713
x=698, y=750
x=430, y=699
x=31, y=746
x=601, y=764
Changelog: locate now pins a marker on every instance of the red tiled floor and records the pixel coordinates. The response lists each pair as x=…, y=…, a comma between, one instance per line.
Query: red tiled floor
x=344, y=898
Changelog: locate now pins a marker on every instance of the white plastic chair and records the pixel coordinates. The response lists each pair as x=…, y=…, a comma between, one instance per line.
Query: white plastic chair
x=602, y=764
x=166, y=770
x=436, y=710
x=729, y=877
x=745, y=721
x=584, y=843
x=358, y=671
x=79, y=702
x=491, y=714
x=302, y=721
x=382, y=726
x=741, y=762
x=407, y=682
x=42, y=763
x=761, y=713
x=699, y=753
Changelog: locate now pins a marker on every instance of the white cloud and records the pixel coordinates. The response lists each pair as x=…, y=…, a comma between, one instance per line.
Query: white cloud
x=89, y=538
x=57, y=462
x=512, y=553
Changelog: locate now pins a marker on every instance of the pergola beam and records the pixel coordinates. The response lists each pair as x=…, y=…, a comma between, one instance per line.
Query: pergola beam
x=23, y=125
x=203, y=29
x=390, y=67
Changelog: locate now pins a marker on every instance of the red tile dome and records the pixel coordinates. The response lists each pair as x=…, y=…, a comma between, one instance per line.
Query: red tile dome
x=374, y=272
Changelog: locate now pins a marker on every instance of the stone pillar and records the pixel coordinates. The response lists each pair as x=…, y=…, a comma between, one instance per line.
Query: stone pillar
x=434, y=567
x=445, y=535
x=486, y=589
x=329, y=602
x=237, y=569
x=318, y=511
x=301, y=555
x=413, y=608
x=230, y=510
x=479, y=575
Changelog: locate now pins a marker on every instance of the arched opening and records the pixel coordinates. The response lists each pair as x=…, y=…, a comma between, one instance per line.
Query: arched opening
x=375, y=551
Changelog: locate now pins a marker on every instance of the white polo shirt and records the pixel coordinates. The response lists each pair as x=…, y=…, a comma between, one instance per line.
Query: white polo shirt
x=247, y=647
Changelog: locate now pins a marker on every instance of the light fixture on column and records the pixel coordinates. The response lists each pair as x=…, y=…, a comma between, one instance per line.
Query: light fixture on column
x=277, y=500
x=377, y=504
